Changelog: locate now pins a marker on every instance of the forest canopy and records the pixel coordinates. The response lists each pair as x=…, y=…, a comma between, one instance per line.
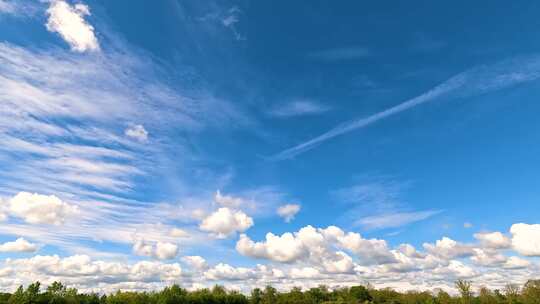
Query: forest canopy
x=57, y=293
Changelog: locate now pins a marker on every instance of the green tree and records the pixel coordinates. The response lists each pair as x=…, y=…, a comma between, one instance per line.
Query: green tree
x=360, y=294
x=486, y=296
x=512, y=293
x=269, y=295
x=256, y=296
x=531, y=292
x=465, y=290
x=17, y=297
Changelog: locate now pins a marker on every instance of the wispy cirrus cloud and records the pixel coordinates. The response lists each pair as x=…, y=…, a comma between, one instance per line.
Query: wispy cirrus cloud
x=377, y=203
x=298, y=107
x=74, y=124
x=18, y=8
x=473, y=82
x=393, y=220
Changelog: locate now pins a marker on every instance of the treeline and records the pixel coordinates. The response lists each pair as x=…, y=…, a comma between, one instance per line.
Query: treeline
x=57, y=293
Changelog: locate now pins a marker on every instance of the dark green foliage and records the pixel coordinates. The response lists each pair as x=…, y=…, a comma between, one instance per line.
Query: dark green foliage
x=57, y=293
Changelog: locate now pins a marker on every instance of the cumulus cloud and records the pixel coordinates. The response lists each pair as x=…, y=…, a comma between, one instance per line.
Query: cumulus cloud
x=288, y=212
x=515, y=262
x=159, y=250
x=526, y=239
x=488, y=257
x=86, y=272
x=318, y=246
x=455, y=270
x=449, y=249
x=19, y=245
x=285, y=248
x=196, y=262
x=224, y=271
x=137, y=132
x=225, y=222
x=493, y=240
x=69, y=22
x=40, y=209
x=370, y=251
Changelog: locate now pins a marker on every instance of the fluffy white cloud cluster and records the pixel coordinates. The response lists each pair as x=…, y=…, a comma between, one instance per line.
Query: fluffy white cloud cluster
x=526, y=239
x=288, y=211
x=322, y=247
x=225, y=222
x=160, y=250
x=68, y=21
x=82, y=271
x=196, y=262
x=305, y=258
x=19, y=245
x=321, y=253
x=449, y=249
x=226, y=272
x=40, y=209
x=493, y=239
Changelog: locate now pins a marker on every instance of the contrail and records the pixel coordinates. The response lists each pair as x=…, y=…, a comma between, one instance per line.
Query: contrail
x=476, y=81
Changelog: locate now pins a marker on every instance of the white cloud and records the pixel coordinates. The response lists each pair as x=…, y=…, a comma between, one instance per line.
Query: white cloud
x=228, y=200
x=493, y=239
x=83, y=271
x=305, y=273
x=515, y=262
x=7, y=7
x=19, y=245
x=456, y=270
x=288, y=212
x=370, y=251
x=340, y=263
x=526, y=239
x=393, y=220
x=285, y=248
x=300, y=107
x=178, y=233
x=449, y=249
x=488, y=257
x=227, y=272
x=318, y=246
x=137, y=132
x=68, y=21
x=472, y=82
x=41, y=209
x=160, y=250
x=196, y=262
x=225, y=222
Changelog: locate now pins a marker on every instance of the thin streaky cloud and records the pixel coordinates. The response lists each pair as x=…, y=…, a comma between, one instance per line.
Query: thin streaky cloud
x=476, y=81
x=300, y=107
x=394, y=220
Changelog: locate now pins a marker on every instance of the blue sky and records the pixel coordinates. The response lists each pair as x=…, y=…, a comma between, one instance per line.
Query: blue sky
x=248, y=143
